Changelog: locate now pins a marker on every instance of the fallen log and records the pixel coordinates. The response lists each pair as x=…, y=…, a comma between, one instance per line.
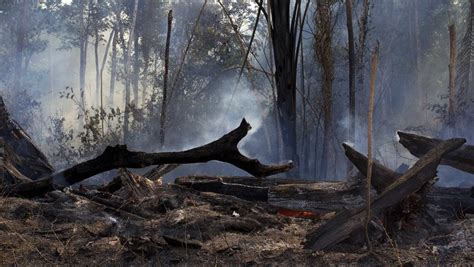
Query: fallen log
x=462, y=158
x=457, y=200
x=346, y=222
x=322, y=197
x=291, y=194
x=217, y=185
x=224, y=149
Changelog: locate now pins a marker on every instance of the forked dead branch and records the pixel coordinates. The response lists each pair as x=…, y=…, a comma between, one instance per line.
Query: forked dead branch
x=224, y=149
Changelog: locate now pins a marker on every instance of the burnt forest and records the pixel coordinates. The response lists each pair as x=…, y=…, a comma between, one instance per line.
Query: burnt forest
x=236, y=132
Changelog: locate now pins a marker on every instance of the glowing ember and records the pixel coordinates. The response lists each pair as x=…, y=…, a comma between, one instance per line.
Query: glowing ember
x=298, y=213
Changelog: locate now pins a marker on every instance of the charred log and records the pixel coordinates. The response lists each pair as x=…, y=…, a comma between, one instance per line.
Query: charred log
x=346, y=222
x=457, y=201
x=217, y=185
x=462, y=158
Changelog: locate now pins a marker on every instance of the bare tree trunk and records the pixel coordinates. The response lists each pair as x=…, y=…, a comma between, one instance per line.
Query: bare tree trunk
x=104, y=61
x=370, y=126
x=127, y=74
x=352, y=107
x=285, y=40
x=97, y=66
x=452, y=75
x=416, y=27
x=21, y=38
x=323, y=46
x=113, y=68
x=165, y=80
x=361, y=46
x=136, y=70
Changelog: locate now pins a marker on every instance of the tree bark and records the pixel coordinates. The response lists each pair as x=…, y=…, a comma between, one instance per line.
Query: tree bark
x=323, y=47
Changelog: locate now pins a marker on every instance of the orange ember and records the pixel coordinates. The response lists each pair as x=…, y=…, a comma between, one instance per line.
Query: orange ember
x=298, y=213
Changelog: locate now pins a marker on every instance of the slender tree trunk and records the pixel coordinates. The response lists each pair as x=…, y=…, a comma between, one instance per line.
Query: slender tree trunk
x=102, y=68
x=361, y=46
x=97, y=67
x=323, y=46
x=452, y=75
x=113, y=69
x=136, y=70
x=418, y=76
x=21, y=38
x=83, y=63
x=127, y=74
x=370, y=126
x=165, y=80
x=352, y=101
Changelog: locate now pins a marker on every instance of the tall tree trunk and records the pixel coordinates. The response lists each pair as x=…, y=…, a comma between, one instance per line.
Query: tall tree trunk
x=361, y=45
x=21, y=38
x=102, y=68
x=465, y=70
x=352, y=102
x=323, y=46
x=97, y=66
x=136, y=70
x=418, y=77
x=285, y=51
x=370, y=126
x=113, y=70
x=165, y=80
x=452, y=75
x=127, y=74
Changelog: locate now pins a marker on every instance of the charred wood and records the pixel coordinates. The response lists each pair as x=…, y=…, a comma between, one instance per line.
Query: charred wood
x=461, y=159
x=224, y=149
x=346, y=222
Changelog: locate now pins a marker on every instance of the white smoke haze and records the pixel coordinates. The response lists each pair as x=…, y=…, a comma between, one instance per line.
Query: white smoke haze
x=399, y=104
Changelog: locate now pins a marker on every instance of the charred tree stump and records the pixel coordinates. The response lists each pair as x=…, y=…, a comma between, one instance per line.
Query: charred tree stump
x=346, y=222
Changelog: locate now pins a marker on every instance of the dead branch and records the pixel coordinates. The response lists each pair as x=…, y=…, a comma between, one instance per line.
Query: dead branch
x=348, y=221
x=224, y=150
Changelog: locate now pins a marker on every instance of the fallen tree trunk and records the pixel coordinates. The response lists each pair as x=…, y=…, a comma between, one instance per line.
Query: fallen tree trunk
x=224, y=149
x=462, y=158
x=458, y=200
x=322, y=197
x=291, y=194
x=217, y=185
x=348, y=221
